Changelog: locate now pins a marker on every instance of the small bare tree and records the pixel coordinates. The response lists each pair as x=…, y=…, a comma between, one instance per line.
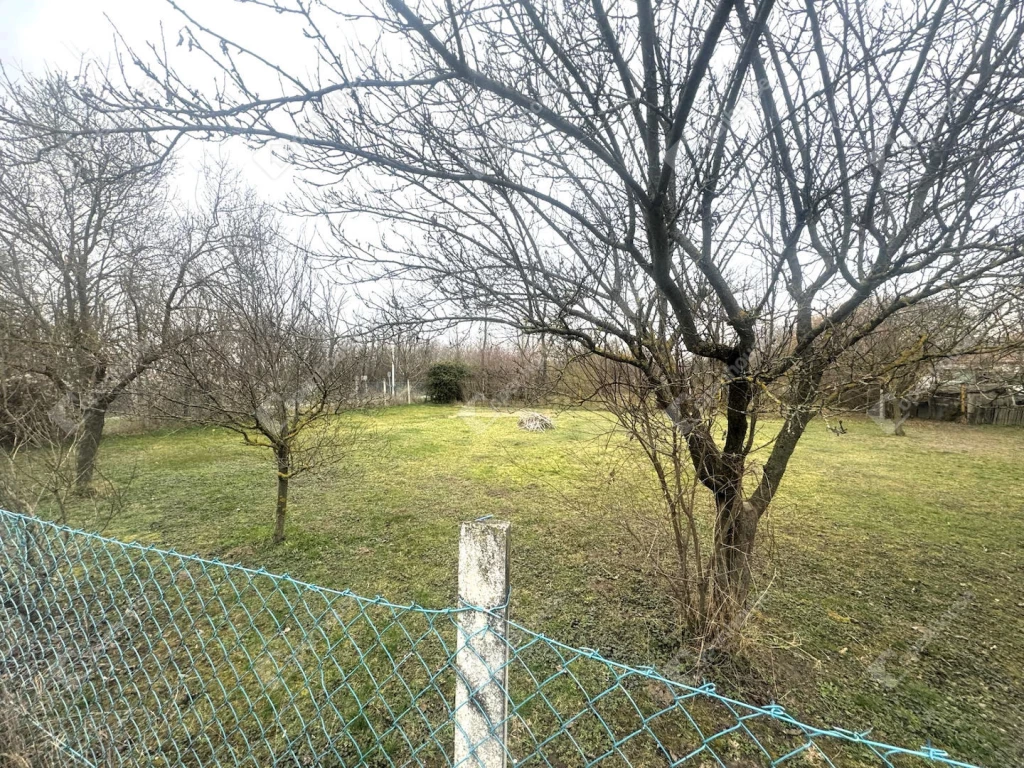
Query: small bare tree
x=270, y=364
x=672, y=521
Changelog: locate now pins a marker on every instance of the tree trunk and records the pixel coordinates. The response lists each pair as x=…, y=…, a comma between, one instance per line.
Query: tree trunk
x=89, y=436
x=543, y=369
x=900, y=418
x=283, y=474
x=730, y=567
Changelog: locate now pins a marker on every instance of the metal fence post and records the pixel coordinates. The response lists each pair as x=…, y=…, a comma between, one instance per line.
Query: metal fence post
x=481, y=659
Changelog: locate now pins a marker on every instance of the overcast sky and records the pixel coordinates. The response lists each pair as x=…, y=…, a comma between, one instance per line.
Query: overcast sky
x=37, y=34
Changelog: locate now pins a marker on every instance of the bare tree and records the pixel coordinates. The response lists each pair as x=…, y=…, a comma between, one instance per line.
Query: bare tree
x=270, y=364
x=39, y=443
x=94, y=270
x=888, y=372
x=754, y=188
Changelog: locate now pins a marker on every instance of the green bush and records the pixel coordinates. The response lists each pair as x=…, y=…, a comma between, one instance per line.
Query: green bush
x=445, y=382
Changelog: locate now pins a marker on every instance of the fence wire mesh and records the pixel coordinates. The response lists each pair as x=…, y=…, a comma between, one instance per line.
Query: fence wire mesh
x=128, y=655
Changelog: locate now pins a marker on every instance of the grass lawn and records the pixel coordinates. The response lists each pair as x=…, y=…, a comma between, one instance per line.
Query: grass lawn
x=896, y=597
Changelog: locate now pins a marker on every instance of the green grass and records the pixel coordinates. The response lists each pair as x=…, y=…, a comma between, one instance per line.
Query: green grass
x=899, y=556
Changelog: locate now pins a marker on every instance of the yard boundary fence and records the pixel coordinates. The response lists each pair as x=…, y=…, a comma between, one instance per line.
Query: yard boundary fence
x=129, y=655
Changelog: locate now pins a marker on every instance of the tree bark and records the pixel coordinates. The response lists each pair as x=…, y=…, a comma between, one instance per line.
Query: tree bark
x=730, y=568
x=900, y=419
x=543, y=398
x=89, y=436
x=283, y=454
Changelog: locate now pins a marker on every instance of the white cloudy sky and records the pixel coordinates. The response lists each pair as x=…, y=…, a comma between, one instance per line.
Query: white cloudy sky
x=35, y=32
x=40, y=34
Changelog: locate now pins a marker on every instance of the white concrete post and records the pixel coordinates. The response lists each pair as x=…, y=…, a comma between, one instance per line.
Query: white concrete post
x=481, y=660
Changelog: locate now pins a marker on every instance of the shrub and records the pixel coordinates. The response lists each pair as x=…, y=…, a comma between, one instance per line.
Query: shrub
x=445, y=382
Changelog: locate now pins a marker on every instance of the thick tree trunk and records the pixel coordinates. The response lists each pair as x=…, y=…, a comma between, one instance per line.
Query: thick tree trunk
x=89, y=436
x=730, y=567
x=283, y=475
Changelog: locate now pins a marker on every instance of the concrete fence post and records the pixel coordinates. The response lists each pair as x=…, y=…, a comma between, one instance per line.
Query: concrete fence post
x=481, y=659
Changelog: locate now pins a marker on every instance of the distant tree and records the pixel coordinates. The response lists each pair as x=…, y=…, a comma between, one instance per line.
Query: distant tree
x=895, y=367
x=268, y=364
x=446, y=382
x=94, y=272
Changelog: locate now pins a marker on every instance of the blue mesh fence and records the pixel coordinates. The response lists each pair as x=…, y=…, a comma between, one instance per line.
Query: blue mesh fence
x=128, y=655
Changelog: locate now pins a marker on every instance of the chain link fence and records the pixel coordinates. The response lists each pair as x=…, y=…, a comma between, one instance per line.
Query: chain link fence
x=127, y=655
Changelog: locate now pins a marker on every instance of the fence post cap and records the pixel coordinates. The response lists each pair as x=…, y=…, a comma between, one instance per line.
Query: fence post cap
x=488, y=521
x=483, y=563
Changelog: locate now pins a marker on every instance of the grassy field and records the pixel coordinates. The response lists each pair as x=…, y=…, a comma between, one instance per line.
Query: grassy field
x=895, y=595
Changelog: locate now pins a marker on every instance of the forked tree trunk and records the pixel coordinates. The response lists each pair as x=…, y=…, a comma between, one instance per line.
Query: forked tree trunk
x=283, y=455
x=89, y=436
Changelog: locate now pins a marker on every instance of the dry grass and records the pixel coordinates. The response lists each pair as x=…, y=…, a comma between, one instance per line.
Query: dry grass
x=23, y=744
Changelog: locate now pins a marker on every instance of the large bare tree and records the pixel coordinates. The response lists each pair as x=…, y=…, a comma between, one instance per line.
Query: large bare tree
x=738, y=189
x=94, y=268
